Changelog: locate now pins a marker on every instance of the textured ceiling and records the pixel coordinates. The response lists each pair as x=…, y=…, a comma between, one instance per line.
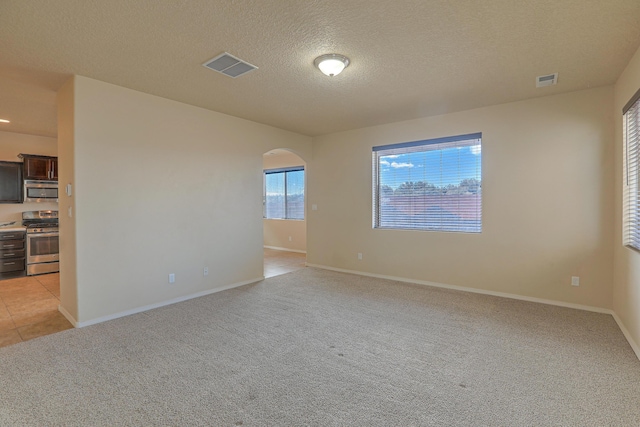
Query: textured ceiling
x=409, y=58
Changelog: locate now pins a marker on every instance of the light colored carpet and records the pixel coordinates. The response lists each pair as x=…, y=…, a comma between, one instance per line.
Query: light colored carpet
x=320, y=348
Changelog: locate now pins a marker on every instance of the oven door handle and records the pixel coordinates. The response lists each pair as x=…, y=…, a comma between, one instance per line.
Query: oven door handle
x=55, y=233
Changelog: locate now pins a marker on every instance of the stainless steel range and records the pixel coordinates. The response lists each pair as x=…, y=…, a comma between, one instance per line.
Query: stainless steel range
x=42, y=241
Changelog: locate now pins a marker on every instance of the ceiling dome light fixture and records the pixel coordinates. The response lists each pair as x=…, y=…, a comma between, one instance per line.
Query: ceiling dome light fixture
x=331, y=64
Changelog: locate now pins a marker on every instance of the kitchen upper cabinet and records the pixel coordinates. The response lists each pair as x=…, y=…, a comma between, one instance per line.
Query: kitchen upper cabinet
x=10, y=182
x=41, y=168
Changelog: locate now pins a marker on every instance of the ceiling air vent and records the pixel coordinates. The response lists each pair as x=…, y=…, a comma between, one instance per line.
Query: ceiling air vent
x=548, y=80
x=229, y=65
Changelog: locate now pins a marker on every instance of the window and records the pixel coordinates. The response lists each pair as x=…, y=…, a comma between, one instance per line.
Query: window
x=631, y=134
x=429, y=185
x=284, y=193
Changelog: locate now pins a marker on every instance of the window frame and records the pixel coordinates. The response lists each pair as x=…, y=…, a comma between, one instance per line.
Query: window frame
x=631, y=173
x=284, y=171
x=376, y=205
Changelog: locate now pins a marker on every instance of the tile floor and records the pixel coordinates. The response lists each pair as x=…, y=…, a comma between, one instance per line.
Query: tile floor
x=281, y=262
x=29, y=308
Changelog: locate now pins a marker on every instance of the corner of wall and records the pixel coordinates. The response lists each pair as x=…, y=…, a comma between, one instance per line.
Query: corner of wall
x=626, y=262
x=66, y=204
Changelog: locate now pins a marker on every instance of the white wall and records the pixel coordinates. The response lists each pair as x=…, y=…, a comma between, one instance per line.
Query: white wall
x=12, y=144
x=278, y=231
x=626, y=291
x=547, y=202
x=174, y=188
x=66, y=175
x=162, y=187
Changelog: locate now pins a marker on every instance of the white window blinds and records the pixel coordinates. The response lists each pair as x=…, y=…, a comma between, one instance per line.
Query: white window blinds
x=284, y=193
x=631, y=133
x=429, y=185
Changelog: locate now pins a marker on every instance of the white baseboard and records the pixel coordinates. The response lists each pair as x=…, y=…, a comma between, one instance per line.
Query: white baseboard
x=627, y=335
x=474, y=290
x=284, y=249
x=156, y=305
x=69, y=317
x=625, y=332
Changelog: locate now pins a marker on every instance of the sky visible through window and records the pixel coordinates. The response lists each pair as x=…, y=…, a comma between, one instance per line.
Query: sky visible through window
x=295, y=183
x=279, y=205
x=431, y=166
x=430, y=186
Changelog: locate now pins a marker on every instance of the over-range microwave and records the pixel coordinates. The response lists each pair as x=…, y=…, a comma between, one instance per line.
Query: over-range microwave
x=40, y=191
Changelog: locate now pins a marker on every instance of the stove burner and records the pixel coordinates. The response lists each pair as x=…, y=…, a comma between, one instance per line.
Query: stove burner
x=40, y=219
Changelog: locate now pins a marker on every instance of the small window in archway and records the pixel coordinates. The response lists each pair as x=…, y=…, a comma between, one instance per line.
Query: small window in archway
x=283, y=196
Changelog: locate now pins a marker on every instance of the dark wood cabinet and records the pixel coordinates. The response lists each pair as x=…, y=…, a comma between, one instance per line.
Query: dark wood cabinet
x=36, y=168
x=54, y=169
x=12, y=254
x=10, y=182
x=41, y=168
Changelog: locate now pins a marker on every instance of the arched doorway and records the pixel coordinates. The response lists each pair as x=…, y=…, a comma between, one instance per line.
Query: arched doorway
x=284, y=212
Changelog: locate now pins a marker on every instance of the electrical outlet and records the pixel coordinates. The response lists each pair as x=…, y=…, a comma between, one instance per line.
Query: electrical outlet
x=172, y=278
x=314, y=207
x=290, y=238
x=359, y=255
x=575, y=281
x=205, y=271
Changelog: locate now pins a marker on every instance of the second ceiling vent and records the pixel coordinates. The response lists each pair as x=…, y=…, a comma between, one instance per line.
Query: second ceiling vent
x=229, y=65
x=548, y=80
